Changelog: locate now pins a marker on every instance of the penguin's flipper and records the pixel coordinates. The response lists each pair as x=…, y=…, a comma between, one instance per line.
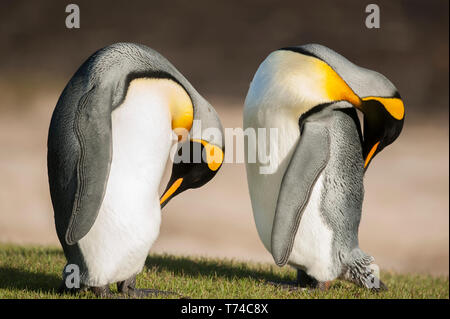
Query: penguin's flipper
x=307, y=162
x=77, y=203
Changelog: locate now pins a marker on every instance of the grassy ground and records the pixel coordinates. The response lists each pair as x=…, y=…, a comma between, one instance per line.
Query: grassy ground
x=34, y=272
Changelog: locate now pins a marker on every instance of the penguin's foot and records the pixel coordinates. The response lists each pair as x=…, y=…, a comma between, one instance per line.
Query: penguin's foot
x=294, y=286
x=142, y=293
x=102, y=291
x=303, y=282
x=64, y=290
x=128, y=287
x=306, y=281
x=288, y=285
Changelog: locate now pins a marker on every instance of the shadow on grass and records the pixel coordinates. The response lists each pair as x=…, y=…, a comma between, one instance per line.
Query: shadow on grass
x=19, y=279
x=196, y=268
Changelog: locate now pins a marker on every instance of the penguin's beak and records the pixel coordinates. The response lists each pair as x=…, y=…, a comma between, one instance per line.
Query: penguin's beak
x=383, y=122
x=195, y=163
x=172, y=189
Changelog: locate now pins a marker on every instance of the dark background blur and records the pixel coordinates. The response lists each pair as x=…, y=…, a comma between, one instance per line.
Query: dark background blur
x=218, y=46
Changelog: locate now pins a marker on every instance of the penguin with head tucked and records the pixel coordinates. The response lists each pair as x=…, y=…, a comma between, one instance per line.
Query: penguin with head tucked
x=307, y=208
x=109, y=140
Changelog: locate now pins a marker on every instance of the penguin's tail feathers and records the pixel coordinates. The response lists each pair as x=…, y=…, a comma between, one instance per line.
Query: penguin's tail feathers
x=361, y=270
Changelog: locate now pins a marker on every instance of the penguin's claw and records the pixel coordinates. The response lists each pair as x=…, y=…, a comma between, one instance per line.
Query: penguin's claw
x=128, y=287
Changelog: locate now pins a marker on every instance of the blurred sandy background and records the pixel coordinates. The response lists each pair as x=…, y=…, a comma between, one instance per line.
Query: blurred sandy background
x=218, y=46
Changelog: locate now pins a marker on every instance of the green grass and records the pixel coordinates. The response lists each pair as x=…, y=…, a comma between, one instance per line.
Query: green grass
x=35, y=272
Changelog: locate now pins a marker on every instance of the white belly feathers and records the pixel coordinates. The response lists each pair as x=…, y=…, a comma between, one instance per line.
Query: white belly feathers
x=129, y=219
x=312, y=243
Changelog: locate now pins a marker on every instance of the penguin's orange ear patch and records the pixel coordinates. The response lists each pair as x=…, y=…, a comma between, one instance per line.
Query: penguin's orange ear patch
x=214, y=155
x=394, y=105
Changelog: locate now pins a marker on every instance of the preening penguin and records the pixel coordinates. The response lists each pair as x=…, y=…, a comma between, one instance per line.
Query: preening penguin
x=307, y=210
x=108, y=144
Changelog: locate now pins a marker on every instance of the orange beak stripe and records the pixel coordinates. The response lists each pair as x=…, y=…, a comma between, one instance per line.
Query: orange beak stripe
x=171, y=190
x=369, y=156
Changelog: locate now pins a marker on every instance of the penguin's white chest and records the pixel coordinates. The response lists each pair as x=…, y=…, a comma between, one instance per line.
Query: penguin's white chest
x=313, y=241
x=129, y=218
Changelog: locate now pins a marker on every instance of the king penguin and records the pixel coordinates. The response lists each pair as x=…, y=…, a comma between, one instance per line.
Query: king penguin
x=110, y=137
x=307, y=201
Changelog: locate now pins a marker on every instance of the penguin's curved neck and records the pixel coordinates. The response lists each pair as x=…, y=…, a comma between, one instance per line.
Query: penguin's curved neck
x=142, y=129
x=168, y=92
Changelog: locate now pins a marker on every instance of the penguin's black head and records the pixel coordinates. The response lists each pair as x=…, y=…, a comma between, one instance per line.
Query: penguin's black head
x=383, y=122
x=195, y=163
